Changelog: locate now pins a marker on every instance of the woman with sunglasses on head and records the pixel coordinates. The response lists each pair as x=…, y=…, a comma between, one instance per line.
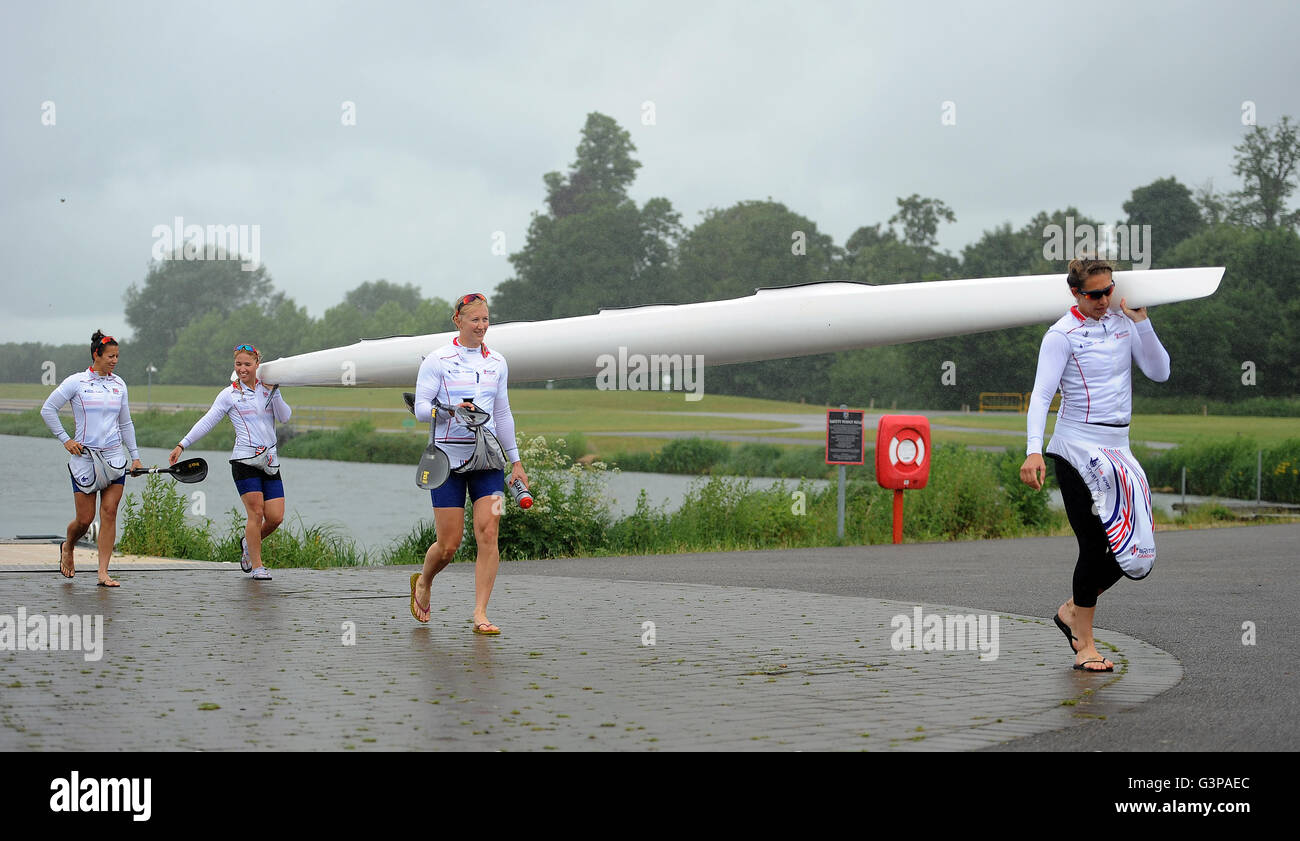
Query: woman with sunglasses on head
x=104, y=434
x=464, y=372
x=1089, y=354
x=253, y=408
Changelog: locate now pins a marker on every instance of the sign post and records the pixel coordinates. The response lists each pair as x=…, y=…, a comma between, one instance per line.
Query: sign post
x=845, y=444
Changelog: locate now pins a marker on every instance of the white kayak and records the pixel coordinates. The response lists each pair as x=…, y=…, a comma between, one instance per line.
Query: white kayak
x=770, y=324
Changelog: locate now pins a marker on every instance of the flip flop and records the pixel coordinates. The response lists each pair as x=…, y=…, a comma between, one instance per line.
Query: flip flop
x=106, y=584
x=68, y=570
x=1065, y=629
x=1071, y=639
x=415, y=576
x=1083, y=667
x=483, y=628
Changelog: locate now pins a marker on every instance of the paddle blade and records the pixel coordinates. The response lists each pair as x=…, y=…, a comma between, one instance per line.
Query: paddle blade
x=409, y=397
x=190, y=470
x=433, y=470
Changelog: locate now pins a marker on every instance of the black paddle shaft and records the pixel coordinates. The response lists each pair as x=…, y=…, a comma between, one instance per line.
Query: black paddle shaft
x=190, y=470
x=409, y=398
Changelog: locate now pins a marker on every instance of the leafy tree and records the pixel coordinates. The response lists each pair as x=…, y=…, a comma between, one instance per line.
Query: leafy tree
x=594, y=248
x=1168, y=207
x=1266, y=162
x=757, y=244
x=879, y=256
x=603, y=171
x=25, y=362
x=1212, y=205
x=204, y=351
x=177, y=291
x=1253, y=317
x=370, y=296
x=920, y=219
x=752, y=244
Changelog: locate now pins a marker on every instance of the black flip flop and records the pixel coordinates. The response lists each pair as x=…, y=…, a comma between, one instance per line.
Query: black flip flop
x=1083, y=667
x=1071, y=638
x=1065, y=629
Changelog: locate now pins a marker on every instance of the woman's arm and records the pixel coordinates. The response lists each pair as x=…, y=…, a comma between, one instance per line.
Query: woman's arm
x=1148, y=353
x=126, y=427
x=208, y=422
x=427, y=383
x=505, y=419
x=50, y=410
x=279, y=408
x=1053, y=355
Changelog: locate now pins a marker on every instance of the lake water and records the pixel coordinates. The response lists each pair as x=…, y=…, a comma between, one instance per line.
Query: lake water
x=374, y=503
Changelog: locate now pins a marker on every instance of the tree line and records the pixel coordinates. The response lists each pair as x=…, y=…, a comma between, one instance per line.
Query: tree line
x=593, y=247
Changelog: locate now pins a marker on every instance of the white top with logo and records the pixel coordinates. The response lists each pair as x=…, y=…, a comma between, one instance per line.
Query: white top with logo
x=253, y=411
x=99, y=408
x=1091, y=362
x=454, y=374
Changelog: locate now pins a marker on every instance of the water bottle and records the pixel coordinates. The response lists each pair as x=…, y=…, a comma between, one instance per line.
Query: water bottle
x=522, y=496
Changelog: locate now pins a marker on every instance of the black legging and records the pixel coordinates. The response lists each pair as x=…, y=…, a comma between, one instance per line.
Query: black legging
x=1097, y=569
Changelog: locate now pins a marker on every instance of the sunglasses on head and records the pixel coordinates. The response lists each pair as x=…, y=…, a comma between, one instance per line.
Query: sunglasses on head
x=469, y=299
x=1098, y=294
x=248, y=348
x=108, y=340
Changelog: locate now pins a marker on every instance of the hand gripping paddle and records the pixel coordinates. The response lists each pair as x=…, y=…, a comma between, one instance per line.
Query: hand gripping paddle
x=434, y=467
x=190, y=470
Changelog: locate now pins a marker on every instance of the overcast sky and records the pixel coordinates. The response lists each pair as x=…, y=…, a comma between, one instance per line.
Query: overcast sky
x=231, y=113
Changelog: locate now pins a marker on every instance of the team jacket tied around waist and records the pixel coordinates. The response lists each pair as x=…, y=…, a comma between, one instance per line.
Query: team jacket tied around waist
x=1091, y=362
x=102, y=414
x=453, y=374
x=253, y=411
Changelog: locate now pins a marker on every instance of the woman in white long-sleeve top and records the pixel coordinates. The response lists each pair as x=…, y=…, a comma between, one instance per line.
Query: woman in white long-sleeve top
x=1089, y=354
x=253, y=408
x=103, y=437
x=464, y=372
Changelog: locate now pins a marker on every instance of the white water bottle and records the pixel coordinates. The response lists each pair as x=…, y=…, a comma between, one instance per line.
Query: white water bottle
x=522, y=496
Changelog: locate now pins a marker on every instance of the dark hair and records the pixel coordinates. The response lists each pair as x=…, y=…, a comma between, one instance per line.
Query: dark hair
x=1081, y=270
x=99, y=342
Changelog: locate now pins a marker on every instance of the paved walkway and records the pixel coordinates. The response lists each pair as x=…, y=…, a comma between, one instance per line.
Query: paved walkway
x=201, y=658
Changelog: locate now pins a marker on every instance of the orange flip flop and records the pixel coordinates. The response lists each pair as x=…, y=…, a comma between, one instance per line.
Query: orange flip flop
x=415, y=576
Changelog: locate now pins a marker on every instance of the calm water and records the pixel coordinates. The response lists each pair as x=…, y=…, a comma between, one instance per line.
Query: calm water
x=374, y=503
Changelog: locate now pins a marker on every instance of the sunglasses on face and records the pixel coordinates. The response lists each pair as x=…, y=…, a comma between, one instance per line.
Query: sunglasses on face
x=468, y=299
x=1098, y=294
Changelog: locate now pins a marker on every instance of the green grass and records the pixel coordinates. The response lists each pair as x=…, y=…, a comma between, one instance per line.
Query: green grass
x=538, y=410
x=155, y=525
x=1177, y=429
x=562, y=412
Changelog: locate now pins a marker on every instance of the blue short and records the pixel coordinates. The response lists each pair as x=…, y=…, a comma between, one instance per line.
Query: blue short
x=480, y=483
x=120, y=480
x=251, y=480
